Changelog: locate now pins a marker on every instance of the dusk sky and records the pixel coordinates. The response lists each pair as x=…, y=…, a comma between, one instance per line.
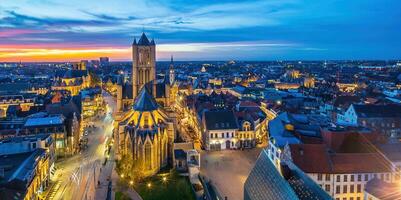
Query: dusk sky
x=61, y=30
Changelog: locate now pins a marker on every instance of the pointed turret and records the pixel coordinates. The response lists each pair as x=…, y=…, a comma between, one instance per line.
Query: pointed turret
x=152, y=42
x=134, y=43
x=171, y=63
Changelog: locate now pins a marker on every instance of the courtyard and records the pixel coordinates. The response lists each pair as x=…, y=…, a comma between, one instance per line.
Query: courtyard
x=227, y=170
x=169, y=186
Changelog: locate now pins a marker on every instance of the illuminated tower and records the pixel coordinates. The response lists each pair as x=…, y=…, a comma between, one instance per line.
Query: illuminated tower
x=143, y=65
x=171, y=71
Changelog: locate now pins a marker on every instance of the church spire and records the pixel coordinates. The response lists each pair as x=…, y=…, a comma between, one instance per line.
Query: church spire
x=134, y=41
x=171, y=63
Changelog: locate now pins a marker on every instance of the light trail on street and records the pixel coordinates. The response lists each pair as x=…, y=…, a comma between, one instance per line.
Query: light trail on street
x=77, y=175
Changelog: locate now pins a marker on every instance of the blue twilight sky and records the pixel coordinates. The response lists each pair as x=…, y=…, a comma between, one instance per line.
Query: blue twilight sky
x=202, y=29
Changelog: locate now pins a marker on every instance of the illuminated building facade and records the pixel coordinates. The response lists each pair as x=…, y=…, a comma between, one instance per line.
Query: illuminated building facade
x=27, y=174
x=74, y=80
x=144, y=75
x=146, y=133
x=144, y=129
x=25, y=103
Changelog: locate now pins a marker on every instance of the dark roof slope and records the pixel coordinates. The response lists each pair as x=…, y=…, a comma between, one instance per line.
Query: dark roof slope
x=143, y=40
x=373, y=111
x=221, y=119
x=265, y=182
x=144, y=101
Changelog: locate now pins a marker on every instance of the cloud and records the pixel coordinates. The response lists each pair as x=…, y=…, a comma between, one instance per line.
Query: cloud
x=203, y=27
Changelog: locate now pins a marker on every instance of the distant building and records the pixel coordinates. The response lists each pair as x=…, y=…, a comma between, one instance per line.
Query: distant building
x=384, y=118
x=56, y=126
x=74, y=80
x=104, y=61
x=24, y=102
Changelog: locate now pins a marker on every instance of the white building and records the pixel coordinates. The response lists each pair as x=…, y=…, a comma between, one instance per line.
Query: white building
x=219, y=130
x=342, y=175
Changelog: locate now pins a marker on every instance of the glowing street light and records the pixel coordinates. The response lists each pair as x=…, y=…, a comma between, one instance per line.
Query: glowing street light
x=164, y=179
x=131, y=182
x=122, y=175
x=149, y=185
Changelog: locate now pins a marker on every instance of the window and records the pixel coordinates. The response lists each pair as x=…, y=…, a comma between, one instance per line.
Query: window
x=222, y=135
x=232, y=135
x=358, y=198
x=216, y=136
x=387, y=177
x=351, y=198
x=227, y=135
x=338, y=178
x=319, y=177
x=344, y=189
x=211, y=135
x=382, y=176
x=352, y=178
x=327, y=177
x=359, y=177
x=327, y=188
x=345, y=178
x=344, y=198
x=366, y=177
x=351, y=188
x=33, y=145
x=338, y=189
x=358, y=188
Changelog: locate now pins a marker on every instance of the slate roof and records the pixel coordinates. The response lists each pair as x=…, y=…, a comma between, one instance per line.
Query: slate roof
x=19, y=170
x=378, y=111
x=220, y=120
x=145, y=101
x=180, y=154
x=44, y=121
x=75, y=73
x=144, y=40
x=265, y=182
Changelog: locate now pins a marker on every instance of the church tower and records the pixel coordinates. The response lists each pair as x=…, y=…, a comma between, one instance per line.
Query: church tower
x=171, y=71
x=143, y=65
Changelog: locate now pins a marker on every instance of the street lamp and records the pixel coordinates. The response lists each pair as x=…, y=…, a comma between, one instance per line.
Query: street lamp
x=164, y=179
x=131, y=182
x=122, y=175
x=149, y=185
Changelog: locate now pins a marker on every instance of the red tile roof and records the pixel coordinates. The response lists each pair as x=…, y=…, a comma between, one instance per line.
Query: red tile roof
x=316, y=158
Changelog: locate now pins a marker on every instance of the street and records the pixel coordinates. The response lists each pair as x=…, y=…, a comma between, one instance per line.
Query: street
x=227, y=170
x=77, y=176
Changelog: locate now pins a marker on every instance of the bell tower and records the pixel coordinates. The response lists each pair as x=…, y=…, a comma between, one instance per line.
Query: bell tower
x=143, y=65
x=171, y=71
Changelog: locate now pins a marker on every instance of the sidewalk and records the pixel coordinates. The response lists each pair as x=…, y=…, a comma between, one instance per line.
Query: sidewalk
x=104, y=177
x=128, y=191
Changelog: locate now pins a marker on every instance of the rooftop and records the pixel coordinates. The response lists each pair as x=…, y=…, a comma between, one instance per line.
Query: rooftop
x=44, y=121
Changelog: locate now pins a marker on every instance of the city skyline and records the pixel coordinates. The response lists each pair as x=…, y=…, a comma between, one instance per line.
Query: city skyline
x=47, y=30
